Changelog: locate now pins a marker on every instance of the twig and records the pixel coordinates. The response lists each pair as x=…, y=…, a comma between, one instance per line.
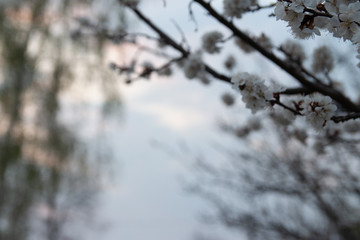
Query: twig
x=177, y=46
x=338, y=119
x=294, y=72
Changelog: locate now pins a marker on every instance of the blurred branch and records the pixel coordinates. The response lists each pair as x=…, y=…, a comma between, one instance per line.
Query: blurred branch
x=177, y=46
x=338, y=119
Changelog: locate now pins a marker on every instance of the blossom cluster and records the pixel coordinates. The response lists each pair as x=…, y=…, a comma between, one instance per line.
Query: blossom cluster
x=235, y=8
x=193, y=66
x=318, y=110
x=323, y=60
x=262, y=40
x=283, y=116
x=255, y=94
x=294, y=50
x=211, y=40
x=307, y=17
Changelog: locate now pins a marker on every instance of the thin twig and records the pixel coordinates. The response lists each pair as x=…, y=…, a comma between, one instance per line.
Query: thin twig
x=338, y=119
x=177, y=46
x=291, y=70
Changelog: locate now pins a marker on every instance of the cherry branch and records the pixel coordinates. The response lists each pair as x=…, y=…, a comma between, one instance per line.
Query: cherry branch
x=299, y=90
x=308, y=86
x=338, y=119
x=185, y=53
x=277, y=102
x=291, y=70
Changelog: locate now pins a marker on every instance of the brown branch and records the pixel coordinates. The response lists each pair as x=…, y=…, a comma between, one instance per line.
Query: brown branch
x=300, y=65
x=299, y=90
x=338, y=119
x=291, y=70
x=277, y=102
x=161, y=33
x=318, y=14
x=177, y=46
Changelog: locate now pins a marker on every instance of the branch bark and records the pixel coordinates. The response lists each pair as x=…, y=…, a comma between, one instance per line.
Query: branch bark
x=177, y=46
x=292, y=71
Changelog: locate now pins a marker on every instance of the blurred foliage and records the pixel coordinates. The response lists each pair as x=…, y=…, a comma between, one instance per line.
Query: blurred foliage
x=282, y=183
x=46, y=172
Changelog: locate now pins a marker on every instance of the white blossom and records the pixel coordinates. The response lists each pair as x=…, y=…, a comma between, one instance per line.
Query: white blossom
x=323, y=60
x=255, y=94
x=300, y=135
x=235, y=8
x=254, y=124
x=294, y=50
x=193, y=66
x=350, y=12
x=283, y=13
x=352, y=126
x=318, y=110
x=203, y=77
x=264, y=41
x=319, y=147
x=211, y=40
x=228, y=99
x=230, y=62
x=282, y=116
x=356, y=36
x=342, y=19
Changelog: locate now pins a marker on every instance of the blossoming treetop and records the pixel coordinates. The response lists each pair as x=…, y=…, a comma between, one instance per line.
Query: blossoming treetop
x=317, y=99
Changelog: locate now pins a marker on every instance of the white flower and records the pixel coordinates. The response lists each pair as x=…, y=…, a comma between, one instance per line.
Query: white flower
x=356, y=36
x=304, y=23
x=235, y=8
x=300, y=135
x=280, y=11
x=305, y=33
x=264, y=41
x=298, y=8
x=228, y=99
x=350, y=12
x=254, y=124
x=323, y=60
x=193, y=66
x=321, y=22
x=352, y=126
x=283, y=116
x=210, y=41
x=318, y=110
x=230, y=62
x=294, y=50
x=331, y=8
x=254, y=93
x=319, y=147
